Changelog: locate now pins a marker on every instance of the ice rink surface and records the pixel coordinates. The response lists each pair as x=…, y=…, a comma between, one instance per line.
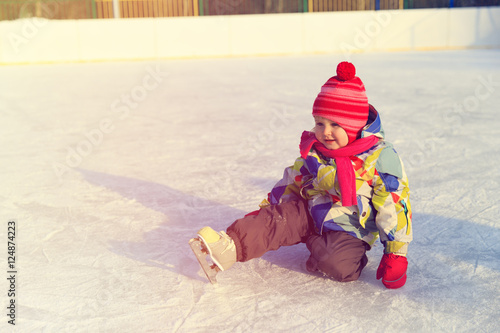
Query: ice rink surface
x=108, y=169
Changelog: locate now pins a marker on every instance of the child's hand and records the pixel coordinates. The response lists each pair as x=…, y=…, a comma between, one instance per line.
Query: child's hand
x=392, y=270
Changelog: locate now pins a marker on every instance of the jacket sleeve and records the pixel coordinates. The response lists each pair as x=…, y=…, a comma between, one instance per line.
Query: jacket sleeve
x=391, y=200
x=288, y=188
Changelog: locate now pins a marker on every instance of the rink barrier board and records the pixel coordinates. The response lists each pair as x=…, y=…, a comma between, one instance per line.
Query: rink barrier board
x=37, y=40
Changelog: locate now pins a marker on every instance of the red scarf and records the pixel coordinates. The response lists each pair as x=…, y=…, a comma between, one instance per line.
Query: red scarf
x=341, y=156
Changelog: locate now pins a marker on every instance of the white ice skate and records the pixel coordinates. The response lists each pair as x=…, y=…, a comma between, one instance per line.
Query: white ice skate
x=219, y=246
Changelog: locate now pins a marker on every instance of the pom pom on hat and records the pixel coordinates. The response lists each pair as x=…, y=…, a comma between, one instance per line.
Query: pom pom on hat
x=343, y=100
x=346, y=71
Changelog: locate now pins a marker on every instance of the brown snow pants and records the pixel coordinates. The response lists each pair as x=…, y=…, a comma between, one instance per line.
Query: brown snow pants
x=337, y=254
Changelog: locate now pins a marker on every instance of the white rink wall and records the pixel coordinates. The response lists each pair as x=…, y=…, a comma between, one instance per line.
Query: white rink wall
x=37, y=40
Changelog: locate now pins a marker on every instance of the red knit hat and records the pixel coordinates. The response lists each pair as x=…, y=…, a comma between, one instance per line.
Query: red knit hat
x=343, y=100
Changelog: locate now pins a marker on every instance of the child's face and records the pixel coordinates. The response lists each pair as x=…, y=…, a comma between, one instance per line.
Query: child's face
x=330, y=133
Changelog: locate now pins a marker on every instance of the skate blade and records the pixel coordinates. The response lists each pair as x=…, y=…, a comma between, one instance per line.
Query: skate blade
x=201, y=254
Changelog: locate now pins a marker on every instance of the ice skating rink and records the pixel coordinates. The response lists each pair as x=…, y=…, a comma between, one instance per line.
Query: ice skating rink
x=107, y=170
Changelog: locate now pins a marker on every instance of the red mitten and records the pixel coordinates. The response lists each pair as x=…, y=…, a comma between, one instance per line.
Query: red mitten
x=392, y=270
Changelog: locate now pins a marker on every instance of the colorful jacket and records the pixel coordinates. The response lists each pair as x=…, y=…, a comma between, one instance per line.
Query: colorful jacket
x=383, y=196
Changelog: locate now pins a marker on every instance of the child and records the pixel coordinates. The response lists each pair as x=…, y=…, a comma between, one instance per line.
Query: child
x=347, y=188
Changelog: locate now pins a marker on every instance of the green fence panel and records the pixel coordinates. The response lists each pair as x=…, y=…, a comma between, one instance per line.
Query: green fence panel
x=50, y=9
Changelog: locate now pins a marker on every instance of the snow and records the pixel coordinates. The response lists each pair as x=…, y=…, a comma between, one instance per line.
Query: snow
x=109, y=168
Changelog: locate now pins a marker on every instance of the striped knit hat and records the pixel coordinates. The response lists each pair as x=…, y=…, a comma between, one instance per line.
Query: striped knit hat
x=343, y=100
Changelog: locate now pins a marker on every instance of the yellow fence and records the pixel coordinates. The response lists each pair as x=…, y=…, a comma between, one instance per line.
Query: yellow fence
x=345, y=5
x=165, y=8
x=147, y=8
x=79, y=9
